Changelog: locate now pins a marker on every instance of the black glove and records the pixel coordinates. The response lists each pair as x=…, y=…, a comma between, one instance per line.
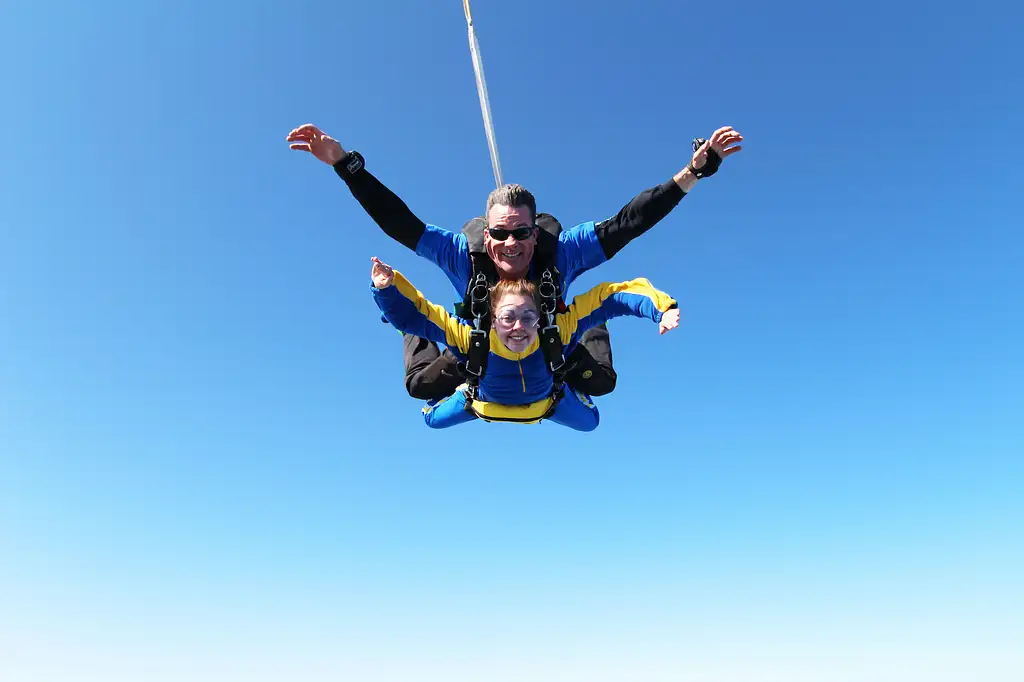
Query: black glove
x=712, y=163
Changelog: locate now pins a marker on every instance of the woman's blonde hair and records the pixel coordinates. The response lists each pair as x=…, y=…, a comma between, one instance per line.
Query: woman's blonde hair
x=515, y=287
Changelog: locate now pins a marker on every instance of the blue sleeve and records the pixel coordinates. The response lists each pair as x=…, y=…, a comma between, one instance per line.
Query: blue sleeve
x=450, y=252
x=621, y=305
x=408, y=311
x=402, y=314
x=635, y=298
x=579, y=250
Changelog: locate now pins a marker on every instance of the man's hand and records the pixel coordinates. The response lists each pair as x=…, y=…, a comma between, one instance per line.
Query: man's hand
x=382, y=274
x=721, y=141
x=309, y=138
x=669, y=320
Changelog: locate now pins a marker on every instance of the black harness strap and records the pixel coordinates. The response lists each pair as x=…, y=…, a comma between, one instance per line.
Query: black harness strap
x=550, y=336
x=480, y=335
x=476, y=303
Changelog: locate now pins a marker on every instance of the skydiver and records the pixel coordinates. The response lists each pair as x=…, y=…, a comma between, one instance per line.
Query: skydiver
x=518, y=385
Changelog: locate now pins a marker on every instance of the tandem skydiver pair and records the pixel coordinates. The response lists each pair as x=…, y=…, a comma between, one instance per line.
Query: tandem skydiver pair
x=515, y=351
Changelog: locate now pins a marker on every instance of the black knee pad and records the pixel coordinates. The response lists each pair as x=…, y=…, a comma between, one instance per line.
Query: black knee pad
x=589, y=375
x=601, y=382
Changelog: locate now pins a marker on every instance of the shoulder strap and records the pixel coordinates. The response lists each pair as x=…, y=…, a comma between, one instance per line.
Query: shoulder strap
x=480, y=263
x=548, y=281
x=480, y=336
x=550, y=336
x=474, y=231
x=545, y=256
x=549, y=223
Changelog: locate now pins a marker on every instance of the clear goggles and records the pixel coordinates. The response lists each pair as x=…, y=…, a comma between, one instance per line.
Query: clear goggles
x=506, y=318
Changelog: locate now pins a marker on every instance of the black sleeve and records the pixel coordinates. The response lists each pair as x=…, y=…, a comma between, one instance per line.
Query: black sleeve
x=639, y=215
x=383, y=205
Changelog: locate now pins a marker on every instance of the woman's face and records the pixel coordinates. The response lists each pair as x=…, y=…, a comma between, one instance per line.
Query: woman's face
x=516, y=321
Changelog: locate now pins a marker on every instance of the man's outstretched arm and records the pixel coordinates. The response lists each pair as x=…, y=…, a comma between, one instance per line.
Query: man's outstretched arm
x=650, y=206
x=384, y=206
x=447, y=250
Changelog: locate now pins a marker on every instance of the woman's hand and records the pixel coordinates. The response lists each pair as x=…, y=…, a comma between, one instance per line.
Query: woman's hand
x=669, y=320
x=383, y=275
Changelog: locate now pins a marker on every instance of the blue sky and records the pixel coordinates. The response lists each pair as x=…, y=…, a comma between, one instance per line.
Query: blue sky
x=209, y=468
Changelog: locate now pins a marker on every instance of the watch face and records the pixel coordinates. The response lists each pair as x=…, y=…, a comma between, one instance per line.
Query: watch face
x=354, y=163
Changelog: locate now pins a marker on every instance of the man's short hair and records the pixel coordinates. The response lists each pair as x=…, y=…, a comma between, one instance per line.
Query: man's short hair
x=513, y=196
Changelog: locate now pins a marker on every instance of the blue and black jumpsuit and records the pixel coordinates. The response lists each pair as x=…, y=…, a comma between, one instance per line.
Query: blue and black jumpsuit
x=517, y=386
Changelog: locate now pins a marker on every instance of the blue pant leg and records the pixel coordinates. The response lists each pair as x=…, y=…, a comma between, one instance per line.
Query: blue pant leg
x=577, y=411
x=450, y=411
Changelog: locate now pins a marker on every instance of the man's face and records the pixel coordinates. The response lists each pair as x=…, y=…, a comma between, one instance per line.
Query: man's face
x=511, y=257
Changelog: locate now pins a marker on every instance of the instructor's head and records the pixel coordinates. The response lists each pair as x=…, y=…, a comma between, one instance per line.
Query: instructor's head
x=511, y=234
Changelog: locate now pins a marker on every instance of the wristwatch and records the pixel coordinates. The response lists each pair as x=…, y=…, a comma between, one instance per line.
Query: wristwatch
x=353, y=162
x=710, y=166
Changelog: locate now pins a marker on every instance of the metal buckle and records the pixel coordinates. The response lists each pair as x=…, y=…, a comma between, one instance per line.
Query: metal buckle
x=548, y=293
x=479, y=306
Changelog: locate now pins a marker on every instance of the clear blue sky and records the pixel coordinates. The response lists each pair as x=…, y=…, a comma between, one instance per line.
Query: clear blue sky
x=209, y=468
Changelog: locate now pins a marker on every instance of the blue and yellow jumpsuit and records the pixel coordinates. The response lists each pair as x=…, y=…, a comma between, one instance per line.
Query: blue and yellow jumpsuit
x=517, y=386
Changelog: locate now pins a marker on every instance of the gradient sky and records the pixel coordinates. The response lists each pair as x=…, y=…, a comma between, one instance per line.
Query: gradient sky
x=209, y=467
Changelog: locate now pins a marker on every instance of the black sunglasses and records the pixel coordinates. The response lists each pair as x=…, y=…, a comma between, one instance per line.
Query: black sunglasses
x=500, y=234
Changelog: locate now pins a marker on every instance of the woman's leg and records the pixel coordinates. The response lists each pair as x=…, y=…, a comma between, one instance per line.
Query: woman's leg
x=577, y=411
x=450, y=411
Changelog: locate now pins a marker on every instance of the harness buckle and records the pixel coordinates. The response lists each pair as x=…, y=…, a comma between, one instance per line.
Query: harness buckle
x=548, y=292
x=479, y=306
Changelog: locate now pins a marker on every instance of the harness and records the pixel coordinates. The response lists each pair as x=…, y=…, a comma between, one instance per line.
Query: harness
x=546, y=278
x=480, y=335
